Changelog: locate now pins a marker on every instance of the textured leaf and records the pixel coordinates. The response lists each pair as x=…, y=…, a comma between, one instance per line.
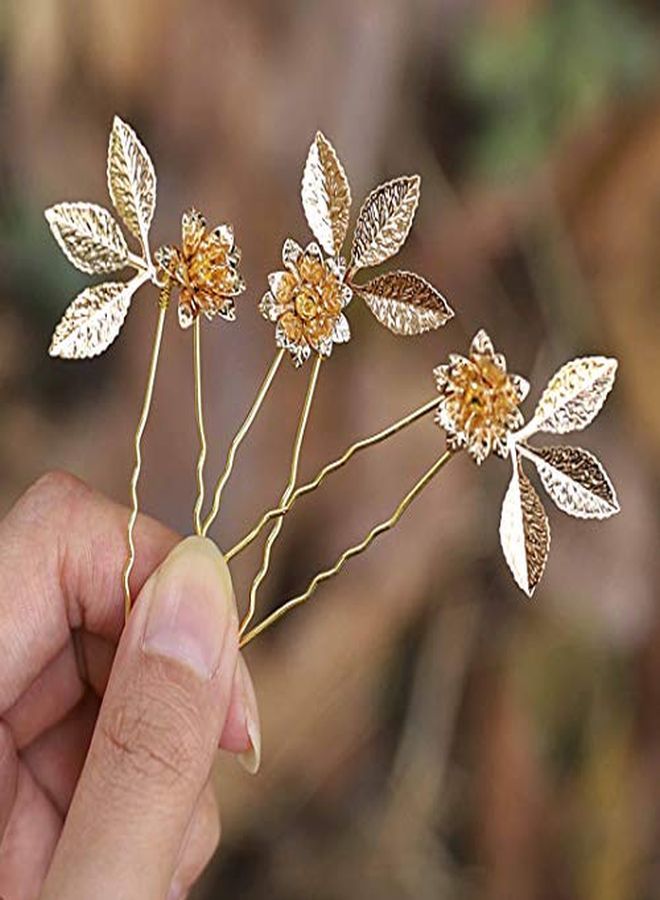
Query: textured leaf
x=92, y=321
x=326, y=195
x=575, y=480
x=405, y=303
x=131, y=179
x=524, y=531
x=384, y=221
x=574, y=395
x=89, y=236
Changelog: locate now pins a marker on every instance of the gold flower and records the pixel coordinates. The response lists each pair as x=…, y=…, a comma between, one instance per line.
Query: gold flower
x=306, y=300
x=479, y=400
x=205, y=269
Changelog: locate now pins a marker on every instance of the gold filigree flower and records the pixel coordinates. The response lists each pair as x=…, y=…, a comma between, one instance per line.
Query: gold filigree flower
x=479, y=400
x=307, y=301
x=205, y=269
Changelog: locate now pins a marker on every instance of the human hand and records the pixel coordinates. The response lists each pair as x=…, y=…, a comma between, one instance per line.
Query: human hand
x=107, y=737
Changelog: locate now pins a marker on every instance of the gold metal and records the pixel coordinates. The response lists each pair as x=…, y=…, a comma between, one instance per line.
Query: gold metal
x=355, y=550
x=199, y=418
x=131, y=181
x=327, y=470
x=238, y=438
x=92, y=240
x=384, y=222
x=326, y=195
x=163, y=301
x=290, y=487
x=405, y=303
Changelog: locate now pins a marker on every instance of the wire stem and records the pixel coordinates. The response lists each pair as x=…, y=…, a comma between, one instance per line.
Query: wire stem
x=163, y=302
x=199, y=418
x=289, y=489
x=238, y=438
x=276, y=512
x=355, y=550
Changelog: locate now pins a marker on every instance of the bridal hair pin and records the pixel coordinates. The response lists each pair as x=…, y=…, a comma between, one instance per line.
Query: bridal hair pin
x=306, y=299
x=203, y=271
x=479, y=411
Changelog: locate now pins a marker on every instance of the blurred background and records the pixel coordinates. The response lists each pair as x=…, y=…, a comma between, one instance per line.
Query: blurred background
x=428, y=732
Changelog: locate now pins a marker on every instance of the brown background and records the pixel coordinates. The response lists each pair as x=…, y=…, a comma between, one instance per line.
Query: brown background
x=427, y=731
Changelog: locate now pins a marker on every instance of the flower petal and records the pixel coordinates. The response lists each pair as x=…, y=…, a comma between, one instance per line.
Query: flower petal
x=291, y=253
x=482, y=344
x=341, y=332
x=193, y=226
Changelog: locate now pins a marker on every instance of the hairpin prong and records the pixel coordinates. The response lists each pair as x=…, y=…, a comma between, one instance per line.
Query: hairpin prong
x=199, y=419
x=355, y=550
x=163, y=303
x=238, y=439
x=288, y=491
x=328, y=469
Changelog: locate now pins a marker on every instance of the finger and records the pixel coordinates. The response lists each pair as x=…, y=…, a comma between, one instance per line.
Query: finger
x=242, y=731
x=29, y=839
x=164, y=708
x=56, y=758
x=199, y=844
x=63, y=551
x=8, y=775
x=50, y=697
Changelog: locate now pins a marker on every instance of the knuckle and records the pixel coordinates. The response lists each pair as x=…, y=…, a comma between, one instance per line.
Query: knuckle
x=151, y=738
x=55, y=491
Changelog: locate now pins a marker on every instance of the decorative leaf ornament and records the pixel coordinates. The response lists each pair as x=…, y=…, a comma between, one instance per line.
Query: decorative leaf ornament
x=384, y=222
x=306, y=300
x=479, y=411
x=92, y=321
x=93, y=241
x=131, y=180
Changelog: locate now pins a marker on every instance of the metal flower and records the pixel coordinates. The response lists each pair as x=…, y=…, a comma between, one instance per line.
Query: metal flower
x=205, y=269
x=307, y=299
x=479, y=400
x=479, y=411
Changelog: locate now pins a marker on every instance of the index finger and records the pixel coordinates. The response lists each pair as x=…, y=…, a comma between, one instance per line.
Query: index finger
x=62, y=553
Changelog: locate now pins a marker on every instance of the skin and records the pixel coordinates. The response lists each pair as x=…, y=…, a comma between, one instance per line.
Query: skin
x=108, y=735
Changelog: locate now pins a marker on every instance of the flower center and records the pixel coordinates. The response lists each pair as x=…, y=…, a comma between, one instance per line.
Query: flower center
x=306, y=303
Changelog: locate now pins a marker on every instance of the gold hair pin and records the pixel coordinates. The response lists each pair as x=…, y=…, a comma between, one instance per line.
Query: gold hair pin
x=479, y=412
x=204, y=272
x=480, y=400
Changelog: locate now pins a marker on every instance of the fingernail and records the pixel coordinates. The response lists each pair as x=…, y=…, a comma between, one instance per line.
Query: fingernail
x=250, y=759
x=191, y=606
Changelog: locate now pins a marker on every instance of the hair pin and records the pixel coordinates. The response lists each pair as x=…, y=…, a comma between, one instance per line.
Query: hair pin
x=479, y=403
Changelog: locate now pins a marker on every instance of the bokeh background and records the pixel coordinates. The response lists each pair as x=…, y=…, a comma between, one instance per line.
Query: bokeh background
x=428, y=732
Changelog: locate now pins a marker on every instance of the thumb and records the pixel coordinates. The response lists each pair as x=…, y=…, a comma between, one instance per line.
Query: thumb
x=163, y=712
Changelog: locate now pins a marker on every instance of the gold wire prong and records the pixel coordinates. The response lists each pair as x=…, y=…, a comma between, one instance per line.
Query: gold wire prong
x=355, y=550
x=199, y=418
x=238, y=438
x=290, y=487
x=163, y=302
x=328, y=470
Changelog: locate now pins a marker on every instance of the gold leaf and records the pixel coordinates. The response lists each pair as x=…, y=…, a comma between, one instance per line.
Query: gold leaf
x=524, y=531
x=384, y=221
x=575, y=480
x=131, y=179
x=92, y=321
x=89, y=236
x=405, y=303
x=326, y=195
x=574, y=395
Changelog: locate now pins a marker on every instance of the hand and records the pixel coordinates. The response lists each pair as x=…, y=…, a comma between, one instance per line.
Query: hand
x=107, y=737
